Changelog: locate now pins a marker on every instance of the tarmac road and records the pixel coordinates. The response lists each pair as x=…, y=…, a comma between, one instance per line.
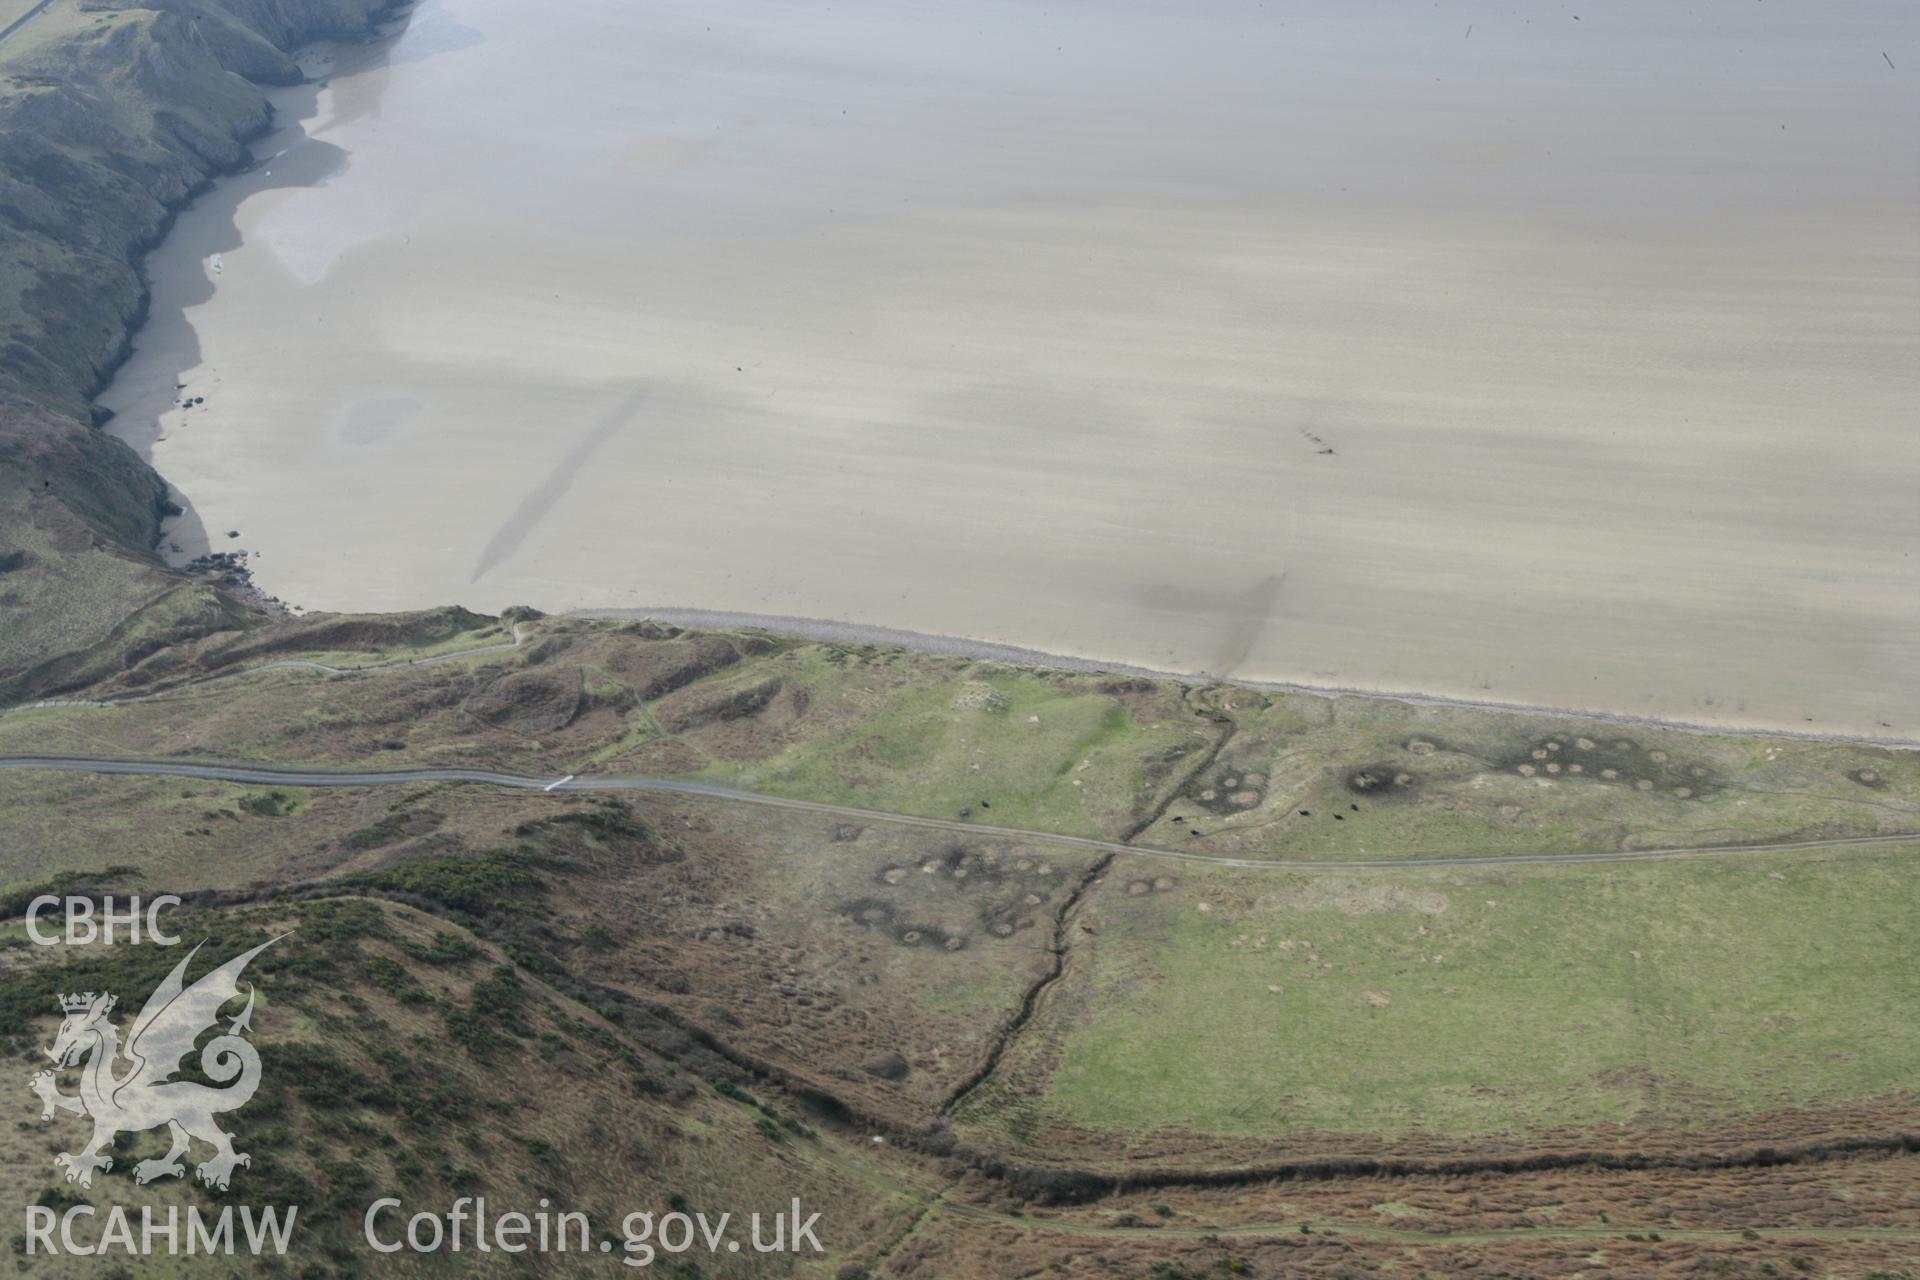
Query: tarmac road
x=292, y=776
x=25, y=18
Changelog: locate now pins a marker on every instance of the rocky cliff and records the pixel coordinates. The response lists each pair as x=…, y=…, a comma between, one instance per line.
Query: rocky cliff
x=111, y=117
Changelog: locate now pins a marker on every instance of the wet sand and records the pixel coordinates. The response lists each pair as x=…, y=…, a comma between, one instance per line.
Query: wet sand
x=1562, y=364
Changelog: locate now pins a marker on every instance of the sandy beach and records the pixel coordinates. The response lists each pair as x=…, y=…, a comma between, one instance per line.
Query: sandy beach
x=1364, y=353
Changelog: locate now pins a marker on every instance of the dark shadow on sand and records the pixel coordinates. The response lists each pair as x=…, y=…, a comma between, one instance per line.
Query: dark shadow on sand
x=545, y=496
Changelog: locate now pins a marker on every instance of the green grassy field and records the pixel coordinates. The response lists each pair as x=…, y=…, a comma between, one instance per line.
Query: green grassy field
x=1040, y=754
x=1383, y=779
x=1473, y=1004
x=1207, y=1015
x=1301, y=777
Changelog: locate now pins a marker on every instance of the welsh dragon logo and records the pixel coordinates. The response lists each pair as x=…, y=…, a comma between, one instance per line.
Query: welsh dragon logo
x=147, y=1096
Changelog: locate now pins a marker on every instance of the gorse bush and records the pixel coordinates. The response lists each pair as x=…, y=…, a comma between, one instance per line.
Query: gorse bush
x=476, y=884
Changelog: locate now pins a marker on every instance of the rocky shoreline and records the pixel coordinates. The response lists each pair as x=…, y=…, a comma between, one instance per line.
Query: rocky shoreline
x=111, y=122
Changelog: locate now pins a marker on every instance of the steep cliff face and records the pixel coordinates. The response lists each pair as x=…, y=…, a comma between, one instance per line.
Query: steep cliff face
x=105, y=128
x=111, y=117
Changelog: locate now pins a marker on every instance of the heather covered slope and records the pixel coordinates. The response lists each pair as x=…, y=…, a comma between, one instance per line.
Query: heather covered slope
x=76, y=508
x=1257, y=1031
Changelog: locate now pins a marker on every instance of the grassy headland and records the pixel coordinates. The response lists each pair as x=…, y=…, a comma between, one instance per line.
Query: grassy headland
x=945, y=1038
x=111, y=117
